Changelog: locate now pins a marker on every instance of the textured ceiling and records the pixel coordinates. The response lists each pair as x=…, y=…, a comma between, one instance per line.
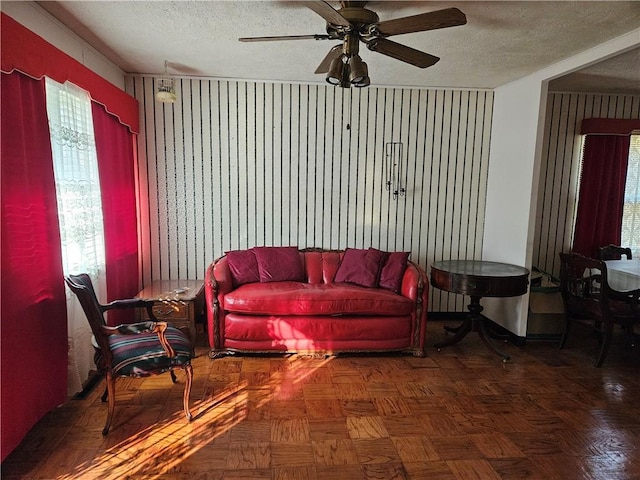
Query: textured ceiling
x=619, y=74
x=501, y=42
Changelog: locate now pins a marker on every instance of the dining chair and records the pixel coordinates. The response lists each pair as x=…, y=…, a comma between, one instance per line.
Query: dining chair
x=132, y=350
x=614, y=252
x=588, y=298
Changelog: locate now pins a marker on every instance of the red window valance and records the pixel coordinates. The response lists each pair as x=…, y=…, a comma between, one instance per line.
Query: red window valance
x=609, y=126
x=30, y=54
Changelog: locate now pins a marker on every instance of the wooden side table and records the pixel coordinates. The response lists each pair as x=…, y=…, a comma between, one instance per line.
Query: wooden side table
x=178, y=302
x=478, y=279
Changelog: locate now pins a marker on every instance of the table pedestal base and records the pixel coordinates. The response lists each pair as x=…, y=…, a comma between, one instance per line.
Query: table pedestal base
x=474, y=322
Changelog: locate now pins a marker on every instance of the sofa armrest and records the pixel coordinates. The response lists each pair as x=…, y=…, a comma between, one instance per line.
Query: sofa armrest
x=220, y=278
x=415, y=286
x=218, y=282
x=412, y=280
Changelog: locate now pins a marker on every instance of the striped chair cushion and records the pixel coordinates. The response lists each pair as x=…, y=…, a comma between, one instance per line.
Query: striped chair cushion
x=141, y=355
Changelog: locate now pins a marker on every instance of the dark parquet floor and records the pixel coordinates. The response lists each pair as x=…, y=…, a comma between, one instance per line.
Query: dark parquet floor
x=456, y=414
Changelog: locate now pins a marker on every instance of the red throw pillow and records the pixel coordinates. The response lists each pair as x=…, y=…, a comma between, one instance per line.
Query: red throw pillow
x=361, y=267
x=279, y=264
x=393, y=270
x=243, y=266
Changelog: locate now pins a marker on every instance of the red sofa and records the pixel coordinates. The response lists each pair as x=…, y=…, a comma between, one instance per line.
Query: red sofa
x=255, y=310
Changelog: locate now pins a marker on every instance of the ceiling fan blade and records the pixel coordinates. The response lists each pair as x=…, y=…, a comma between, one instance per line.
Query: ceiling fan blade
x=334, y=53
x=285, y=37
x=449, y=17
x=402, y=52
x=327, y=12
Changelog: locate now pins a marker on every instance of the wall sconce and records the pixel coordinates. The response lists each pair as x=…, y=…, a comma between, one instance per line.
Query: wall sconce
x=166, y=91
x=395, y=169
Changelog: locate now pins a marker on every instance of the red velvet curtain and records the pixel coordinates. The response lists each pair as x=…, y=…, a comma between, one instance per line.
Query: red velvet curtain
x=33, y=326
x=114, y=145
x=601, y=197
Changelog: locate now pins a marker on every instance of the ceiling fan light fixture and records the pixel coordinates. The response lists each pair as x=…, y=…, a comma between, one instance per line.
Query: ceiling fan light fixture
x=336, y=71
x=366, y=81
x=357, y=70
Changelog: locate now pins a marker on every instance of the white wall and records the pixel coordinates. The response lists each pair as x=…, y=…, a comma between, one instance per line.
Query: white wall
x=512, y=189
x=42, y=23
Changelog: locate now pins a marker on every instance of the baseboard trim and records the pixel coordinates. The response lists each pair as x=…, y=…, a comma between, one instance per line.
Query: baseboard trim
x=88, y=386
x=446, y=316
x=544, y=337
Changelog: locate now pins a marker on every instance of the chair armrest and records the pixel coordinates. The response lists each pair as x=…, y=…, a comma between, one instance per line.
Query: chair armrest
x=128, y=303
x=131, y=303
x=130, y=328
x=159, y=328
x=143, y=327
x=631, y=297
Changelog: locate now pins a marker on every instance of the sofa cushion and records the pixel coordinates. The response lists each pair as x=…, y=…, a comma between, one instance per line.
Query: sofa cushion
x=243, y=266
x=295, y=298
x=393, y=270
x=306, y=332
x=321, y=267
x=360, y=266
x=277, y=264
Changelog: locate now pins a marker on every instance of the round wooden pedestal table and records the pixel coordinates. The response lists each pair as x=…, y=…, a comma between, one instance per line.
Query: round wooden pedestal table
x=478, y=279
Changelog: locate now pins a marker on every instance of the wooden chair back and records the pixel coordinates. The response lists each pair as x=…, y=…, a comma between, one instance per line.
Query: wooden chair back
x=614, y=252
x=82, y=287
x=587, y=296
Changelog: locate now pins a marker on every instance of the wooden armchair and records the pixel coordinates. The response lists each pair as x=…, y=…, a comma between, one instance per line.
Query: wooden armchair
x=587, y=297
x=614, y=252
x=138, y=349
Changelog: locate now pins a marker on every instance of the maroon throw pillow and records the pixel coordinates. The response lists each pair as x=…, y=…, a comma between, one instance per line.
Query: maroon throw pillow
x=360, y=266
x=243, y=266
x=393, y=271
x=279, y=264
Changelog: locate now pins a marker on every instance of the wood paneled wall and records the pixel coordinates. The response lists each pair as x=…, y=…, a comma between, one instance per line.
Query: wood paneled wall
x=560, y=168
x=236, y=164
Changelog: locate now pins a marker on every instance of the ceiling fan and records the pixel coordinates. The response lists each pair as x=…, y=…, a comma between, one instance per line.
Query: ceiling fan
x=352, y=24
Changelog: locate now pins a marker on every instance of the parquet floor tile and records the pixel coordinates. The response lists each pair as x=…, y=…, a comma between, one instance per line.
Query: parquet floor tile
x=456, y=414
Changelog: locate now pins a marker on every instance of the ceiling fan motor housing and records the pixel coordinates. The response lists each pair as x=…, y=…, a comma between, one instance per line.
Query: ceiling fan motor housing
x=360, y=18
x=359, y=15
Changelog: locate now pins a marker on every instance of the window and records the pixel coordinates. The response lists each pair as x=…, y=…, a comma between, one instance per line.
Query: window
x=76, y=174
x=631, y=212
x=75, y=166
